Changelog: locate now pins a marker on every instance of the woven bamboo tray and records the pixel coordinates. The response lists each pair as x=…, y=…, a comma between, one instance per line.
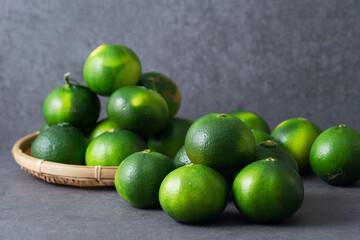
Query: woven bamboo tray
x=58, y=173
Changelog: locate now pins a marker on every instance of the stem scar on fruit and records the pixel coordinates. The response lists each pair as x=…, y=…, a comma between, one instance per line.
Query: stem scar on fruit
x=270, y=143
x=270, y=159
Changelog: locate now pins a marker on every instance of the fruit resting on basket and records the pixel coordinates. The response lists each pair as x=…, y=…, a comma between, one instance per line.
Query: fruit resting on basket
x=186, y=167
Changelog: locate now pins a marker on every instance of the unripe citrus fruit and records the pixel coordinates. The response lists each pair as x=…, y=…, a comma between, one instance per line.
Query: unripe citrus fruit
x=172, y=138
x=193, y=193
x=335, y=155
x=165, y=86
x=101, y=127
x=220, y=141
x=110, y=67
x=44, y=127
x=268, y=190
x=139, y=176
x=275, y=150
x=112, y=147
x=181, y=158
x=297, y=135
x=73, y=104
x=260, y=136
x=251, y=119
x=60, y=143
x=138, y=109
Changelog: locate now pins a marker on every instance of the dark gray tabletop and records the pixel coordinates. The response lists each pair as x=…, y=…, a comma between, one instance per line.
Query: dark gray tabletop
x=33, y=209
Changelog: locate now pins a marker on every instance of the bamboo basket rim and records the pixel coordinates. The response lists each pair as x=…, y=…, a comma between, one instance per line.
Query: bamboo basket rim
x=60, y=173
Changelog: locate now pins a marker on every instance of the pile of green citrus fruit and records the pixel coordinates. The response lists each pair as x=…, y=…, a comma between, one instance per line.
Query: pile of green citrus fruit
x=188, y=168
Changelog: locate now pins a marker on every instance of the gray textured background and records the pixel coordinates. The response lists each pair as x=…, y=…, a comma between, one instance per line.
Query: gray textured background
x=281, y=59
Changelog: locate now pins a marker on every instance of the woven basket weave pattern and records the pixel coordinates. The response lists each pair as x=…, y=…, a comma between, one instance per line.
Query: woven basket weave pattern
x=58, y=173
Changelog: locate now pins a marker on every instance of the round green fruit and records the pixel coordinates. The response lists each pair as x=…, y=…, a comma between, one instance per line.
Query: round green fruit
x=267, y=191
x=112, y=147
x=335, y=155
x=220, y=141
x=138, y=109
x=297, y=136
x=181, y=158
x=60, y=143
x=165, y=86
x=273, y=149
x=251, y=119
x=193, y=193
x=103, y=126
x=139, y=176
x=110, y=67
x=261, y=136
x=172, y=138
x=73, y=104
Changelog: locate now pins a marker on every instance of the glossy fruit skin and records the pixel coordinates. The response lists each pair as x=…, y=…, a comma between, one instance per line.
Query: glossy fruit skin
x=335, y=156
x=111, y=148
x=297, y=136
x=110, y=67
x=260, y=136
x=193, y=193
x=72, y=104
x=165, y=86
x=251, y=119
x=268, y=191
x=139, y=176
x=172, y=138
x=181, y=158
x=273, y=149
x=60, y=143
x=220, y=141
x=101, y=127
x=138, y=109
